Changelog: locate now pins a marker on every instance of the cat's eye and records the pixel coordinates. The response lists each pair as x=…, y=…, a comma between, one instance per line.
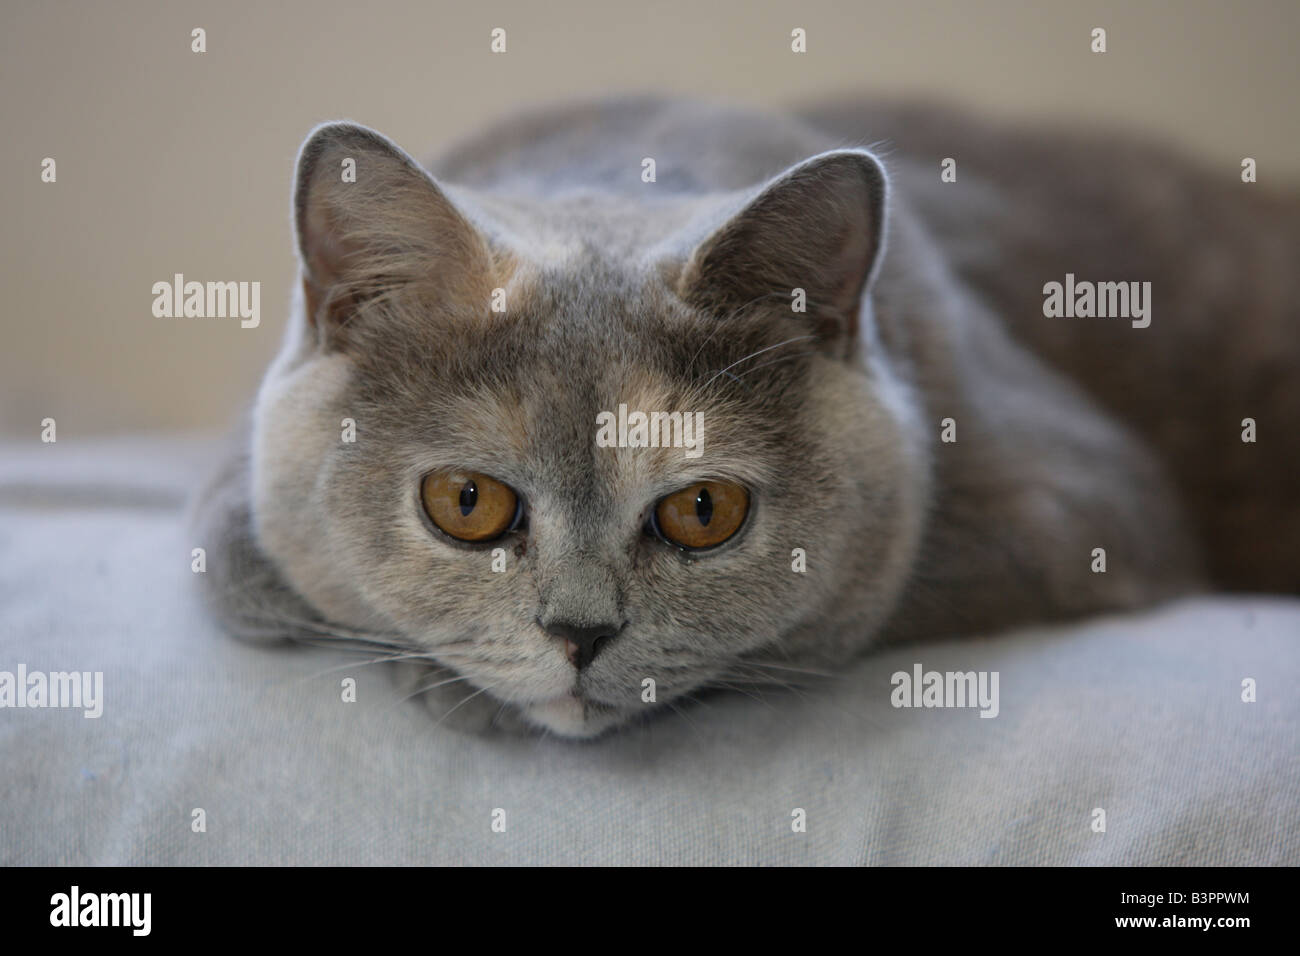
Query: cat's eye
x=702, y=515
x=469, y=506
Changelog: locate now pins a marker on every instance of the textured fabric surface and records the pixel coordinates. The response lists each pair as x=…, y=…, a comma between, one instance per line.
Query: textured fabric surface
x=1140, y=716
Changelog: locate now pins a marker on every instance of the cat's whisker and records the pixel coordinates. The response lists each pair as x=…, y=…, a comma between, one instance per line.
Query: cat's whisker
x=690, y=366
x=797, y=338
x=323, y=628
x=725, y=320
x=678, y=711
x=279, y=623
x=354, y=665
x=428, y=687
x=764, y=679
x=353, y=645
x=786, y=667
x=766, y=684
x=463, y=702
x=497, y=716
x=776, y=361
x=726, y=685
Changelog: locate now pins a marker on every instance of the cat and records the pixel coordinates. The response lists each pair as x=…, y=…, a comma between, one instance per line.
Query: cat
x=897, y=442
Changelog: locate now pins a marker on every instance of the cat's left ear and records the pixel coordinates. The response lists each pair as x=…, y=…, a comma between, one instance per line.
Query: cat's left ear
x=817, y=227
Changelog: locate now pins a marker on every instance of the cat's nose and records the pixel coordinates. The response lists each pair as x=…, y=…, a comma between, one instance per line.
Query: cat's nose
x=582, y=643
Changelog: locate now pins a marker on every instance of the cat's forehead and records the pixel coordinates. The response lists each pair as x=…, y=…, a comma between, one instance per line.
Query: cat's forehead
x=583, y=317
x=600, y=440
x=580, y=228
x=605, y=405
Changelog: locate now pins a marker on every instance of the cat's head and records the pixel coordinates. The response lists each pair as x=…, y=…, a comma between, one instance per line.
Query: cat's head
x=428, y=451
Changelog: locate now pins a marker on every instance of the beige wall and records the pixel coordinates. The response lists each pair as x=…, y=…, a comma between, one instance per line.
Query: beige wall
x=170, y=161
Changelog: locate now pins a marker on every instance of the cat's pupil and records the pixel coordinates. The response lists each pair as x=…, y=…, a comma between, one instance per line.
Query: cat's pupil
x=704, y=506
x=468, y=498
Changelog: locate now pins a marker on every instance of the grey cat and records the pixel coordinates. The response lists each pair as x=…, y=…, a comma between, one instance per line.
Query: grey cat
x=916, y=451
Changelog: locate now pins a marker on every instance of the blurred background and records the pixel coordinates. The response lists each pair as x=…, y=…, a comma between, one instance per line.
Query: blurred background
x=170, y=161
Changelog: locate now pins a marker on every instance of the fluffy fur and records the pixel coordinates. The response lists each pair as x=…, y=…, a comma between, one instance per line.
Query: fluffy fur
x=924, y=304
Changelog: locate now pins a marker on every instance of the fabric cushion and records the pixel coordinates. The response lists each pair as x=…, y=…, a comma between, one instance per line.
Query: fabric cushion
x=1141, y=716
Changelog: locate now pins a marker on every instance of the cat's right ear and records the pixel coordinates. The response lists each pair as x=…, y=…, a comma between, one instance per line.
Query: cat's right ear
x=818, y=228
x=371, y=223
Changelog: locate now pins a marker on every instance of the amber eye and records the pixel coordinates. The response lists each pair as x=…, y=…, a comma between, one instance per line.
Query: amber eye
x=702, y=515
x=468, y=505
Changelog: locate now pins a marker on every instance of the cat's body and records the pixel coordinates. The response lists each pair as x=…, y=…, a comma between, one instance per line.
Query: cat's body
x=675, y=294
x=1223, y=257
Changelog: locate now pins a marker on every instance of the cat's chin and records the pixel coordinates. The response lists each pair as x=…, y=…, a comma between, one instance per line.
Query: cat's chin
x=569, y=716
x=476, y=712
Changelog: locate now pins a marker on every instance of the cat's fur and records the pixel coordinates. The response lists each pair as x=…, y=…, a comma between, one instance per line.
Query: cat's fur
x=925, y=303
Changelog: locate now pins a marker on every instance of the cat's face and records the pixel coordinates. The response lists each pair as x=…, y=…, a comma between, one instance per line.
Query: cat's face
x=801, y=446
